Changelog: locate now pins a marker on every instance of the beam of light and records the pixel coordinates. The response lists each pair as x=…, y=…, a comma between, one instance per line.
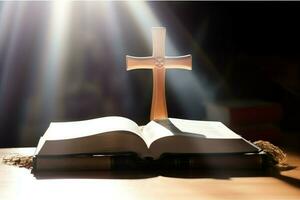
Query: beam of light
x=190, y=90
x=10, y=20
x=145, y=19
x=6, y=10
x=54, y=57
x=203, y=57
x=113, y=29
x=48, y=72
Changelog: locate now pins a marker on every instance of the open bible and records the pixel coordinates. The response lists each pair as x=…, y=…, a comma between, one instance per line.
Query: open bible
x=116, y=136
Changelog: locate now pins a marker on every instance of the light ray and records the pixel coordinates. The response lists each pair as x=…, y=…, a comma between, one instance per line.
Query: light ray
x=49, y=69
x=117, y=45
x=6, y=10
x=101, y=36
x=54, y=57
x=13, y=14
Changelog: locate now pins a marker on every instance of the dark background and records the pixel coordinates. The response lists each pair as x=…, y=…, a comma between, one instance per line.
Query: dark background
x=244, y=50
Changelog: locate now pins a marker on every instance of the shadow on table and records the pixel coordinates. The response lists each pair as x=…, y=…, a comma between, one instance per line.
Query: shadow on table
x=187, y=174
x=291, y=179
x=287, y=178
x=143, y=174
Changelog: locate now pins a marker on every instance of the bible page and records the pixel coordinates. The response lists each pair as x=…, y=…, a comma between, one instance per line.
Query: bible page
x=153, y=131
x=76, y=129
x=210, y=129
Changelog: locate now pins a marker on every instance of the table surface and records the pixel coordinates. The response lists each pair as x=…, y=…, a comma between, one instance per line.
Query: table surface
x=19, y=183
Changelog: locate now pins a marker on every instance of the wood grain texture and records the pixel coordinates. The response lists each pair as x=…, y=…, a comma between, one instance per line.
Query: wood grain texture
x=19, y=183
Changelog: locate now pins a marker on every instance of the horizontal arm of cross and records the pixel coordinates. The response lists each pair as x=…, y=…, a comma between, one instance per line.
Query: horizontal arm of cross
x=178, y=62
x=172, y=62
x=133, y=62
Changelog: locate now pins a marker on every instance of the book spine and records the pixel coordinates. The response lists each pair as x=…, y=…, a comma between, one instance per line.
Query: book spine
x=84, y=163
x=169, y=162
x=211, y=162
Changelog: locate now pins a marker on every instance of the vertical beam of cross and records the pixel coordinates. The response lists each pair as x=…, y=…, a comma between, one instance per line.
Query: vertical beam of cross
x=158, y=62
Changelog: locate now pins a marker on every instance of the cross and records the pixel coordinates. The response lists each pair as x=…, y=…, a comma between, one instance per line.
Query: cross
x=158, y=62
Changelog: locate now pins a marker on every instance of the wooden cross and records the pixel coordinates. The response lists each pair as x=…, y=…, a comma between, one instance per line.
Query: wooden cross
x=158, y=62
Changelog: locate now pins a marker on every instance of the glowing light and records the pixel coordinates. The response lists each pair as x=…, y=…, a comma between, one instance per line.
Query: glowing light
x=10, y=20
x=144, y=18
x=117, y=45
x=49, y=65
x=55, y=55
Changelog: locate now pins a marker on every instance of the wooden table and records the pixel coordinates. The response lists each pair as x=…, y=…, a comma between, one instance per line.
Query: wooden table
x=19, y=183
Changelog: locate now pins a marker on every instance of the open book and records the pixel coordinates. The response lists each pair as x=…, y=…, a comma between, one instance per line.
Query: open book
x=111, y=135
